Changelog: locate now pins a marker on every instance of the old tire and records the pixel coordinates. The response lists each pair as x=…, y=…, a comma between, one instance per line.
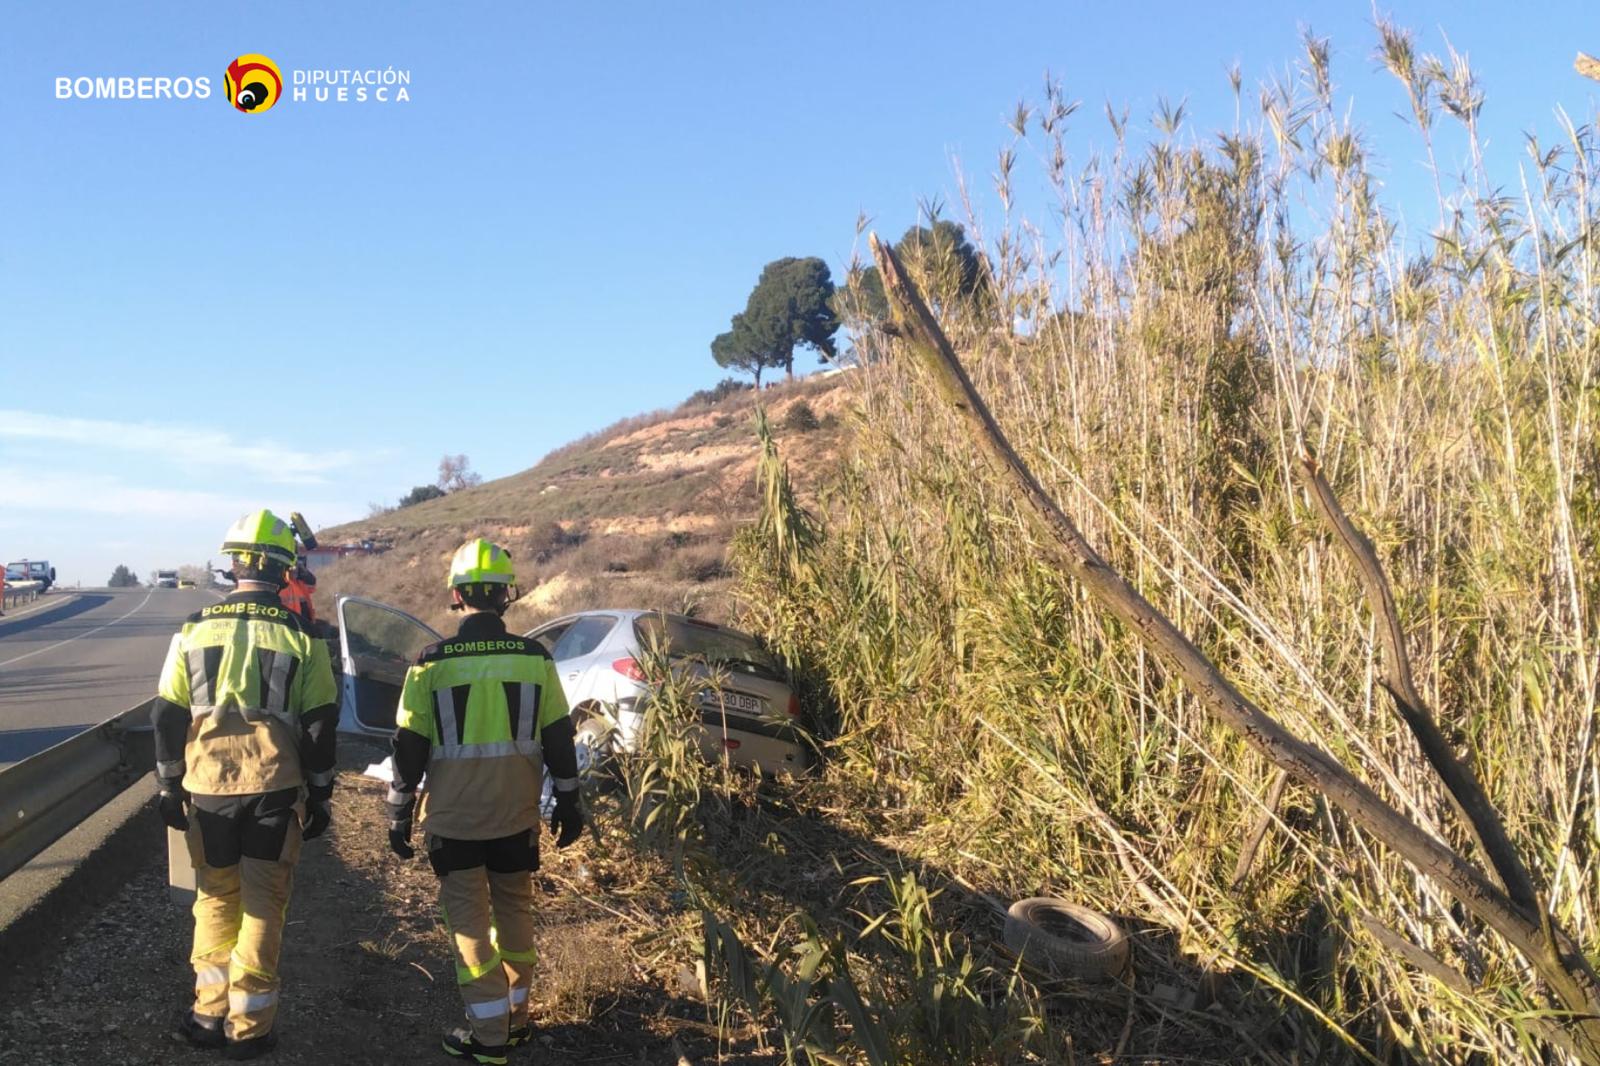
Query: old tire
x=1066, y=940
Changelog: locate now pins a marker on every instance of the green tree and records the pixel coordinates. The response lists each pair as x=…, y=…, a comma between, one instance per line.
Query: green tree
x=741, y=348
x=860, y=302
x=948, y=268
x=948, y=263
x=420, y=493
x=122, y=578
x=791, y=306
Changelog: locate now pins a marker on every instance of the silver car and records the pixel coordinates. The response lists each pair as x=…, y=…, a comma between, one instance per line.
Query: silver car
x=748, y=710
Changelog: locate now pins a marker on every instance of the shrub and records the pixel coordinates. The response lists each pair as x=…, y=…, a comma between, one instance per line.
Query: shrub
x=717, y=393
x=419, y=494
x=800, y=417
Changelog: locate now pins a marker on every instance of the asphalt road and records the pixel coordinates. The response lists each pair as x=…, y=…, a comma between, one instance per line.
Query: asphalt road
x=72, y=659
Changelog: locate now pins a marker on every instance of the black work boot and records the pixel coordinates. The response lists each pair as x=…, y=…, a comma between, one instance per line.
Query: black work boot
x=254, y=1048
x=463, y=1045
x=201, y=1031
x=519, y=1035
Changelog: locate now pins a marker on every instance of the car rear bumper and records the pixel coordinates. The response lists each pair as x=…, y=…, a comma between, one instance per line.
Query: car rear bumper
x=753, y=742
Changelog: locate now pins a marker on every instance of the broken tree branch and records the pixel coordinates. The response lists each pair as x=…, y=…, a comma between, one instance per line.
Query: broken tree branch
x=1459, y=781
x=1558, y=961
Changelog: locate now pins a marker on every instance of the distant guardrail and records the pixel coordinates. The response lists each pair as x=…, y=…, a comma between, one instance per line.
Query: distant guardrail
x=20, y=592
x=45, y=796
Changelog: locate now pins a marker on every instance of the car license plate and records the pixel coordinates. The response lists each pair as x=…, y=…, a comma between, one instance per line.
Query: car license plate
x=734, y=701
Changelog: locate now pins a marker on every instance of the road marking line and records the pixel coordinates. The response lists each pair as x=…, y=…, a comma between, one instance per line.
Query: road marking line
x=53, y=601
x=80, y=636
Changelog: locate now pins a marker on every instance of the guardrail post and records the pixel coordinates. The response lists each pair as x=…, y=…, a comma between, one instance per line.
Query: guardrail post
x=180, y=869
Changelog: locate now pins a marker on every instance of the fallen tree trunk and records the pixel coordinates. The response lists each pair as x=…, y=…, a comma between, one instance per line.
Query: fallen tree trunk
x=1551, y=952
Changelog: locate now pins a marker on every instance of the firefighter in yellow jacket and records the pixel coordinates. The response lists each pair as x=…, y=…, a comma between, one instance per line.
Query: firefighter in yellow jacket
x=478, y=714
x=244, y=722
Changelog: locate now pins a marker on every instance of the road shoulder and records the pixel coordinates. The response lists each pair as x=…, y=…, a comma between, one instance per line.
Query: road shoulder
x=366, y=969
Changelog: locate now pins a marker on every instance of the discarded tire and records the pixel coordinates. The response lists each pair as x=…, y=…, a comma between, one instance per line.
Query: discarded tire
x=1065, y=939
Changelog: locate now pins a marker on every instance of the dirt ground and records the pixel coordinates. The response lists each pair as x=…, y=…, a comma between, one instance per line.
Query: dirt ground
x=367, y=974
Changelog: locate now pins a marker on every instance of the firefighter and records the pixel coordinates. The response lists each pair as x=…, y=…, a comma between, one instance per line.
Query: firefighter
x=299, y=585
x=477, y=713
x=245, y=719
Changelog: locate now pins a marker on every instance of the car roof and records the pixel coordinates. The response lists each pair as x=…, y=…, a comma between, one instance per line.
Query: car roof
x=628, y=614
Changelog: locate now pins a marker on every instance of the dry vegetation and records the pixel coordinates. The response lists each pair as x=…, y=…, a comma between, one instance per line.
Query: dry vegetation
x=639, y=514
x=1215, y=303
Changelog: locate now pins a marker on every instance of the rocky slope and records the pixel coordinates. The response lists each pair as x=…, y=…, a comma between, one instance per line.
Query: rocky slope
x=639, y=514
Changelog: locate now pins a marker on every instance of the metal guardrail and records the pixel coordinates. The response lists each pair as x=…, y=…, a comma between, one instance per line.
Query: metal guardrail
x=45, y=796
x=20, y=592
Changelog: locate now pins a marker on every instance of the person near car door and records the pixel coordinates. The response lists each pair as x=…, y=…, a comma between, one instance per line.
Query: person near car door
x=245, y=720
x=478, y=714
x=299, y=586
x=299, y=583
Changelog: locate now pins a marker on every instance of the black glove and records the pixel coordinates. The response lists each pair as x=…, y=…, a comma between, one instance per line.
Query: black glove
x=171, y=803
x=567, y=821
x=316, y=820
x=401, y=805
x=400, y=842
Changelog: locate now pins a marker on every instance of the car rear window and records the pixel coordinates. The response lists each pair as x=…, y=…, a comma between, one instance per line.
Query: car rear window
x=686, y=639
x=582, y=637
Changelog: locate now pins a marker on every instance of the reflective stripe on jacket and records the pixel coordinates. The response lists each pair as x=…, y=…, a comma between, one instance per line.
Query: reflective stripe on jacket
x=251, y=679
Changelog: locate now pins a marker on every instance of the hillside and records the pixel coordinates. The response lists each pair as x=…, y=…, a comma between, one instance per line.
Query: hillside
x=637, y=514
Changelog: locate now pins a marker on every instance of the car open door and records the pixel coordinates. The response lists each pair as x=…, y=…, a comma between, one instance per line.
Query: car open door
x=377, y=643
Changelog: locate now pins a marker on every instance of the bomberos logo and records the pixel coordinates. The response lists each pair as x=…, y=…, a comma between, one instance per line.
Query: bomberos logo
x=253, y=83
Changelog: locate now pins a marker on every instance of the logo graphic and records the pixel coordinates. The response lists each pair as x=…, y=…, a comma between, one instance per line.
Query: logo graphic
x=253, y=83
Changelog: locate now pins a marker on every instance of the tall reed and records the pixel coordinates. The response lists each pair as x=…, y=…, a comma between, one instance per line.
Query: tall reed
x=1156, y=348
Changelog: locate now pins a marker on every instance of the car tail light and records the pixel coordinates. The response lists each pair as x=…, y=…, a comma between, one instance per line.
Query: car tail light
x=794, y=706
x=730, y=743
x=629, y=668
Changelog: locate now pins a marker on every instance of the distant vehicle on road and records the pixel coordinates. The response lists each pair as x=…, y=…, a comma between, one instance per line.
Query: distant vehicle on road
x=185, y=583
x=748, y=709
x=31, y=570
x=166, y=579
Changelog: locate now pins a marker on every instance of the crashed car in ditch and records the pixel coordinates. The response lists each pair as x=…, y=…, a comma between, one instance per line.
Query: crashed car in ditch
x=747, y=707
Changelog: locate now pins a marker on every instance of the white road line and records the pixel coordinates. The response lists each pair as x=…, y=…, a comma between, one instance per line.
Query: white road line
x=53, y=601
x=80, y=636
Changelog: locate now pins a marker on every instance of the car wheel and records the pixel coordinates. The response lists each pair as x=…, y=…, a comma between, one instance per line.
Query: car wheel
x=595, y=738
x=1066, y=940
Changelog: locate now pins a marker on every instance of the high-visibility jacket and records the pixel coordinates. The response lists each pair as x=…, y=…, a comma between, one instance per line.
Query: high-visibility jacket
x=296, y=595
x=246, y=702
x=479, y=714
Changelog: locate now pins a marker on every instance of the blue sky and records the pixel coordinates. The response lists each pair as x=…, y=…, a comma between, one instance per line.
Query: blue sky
x=203, y=311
